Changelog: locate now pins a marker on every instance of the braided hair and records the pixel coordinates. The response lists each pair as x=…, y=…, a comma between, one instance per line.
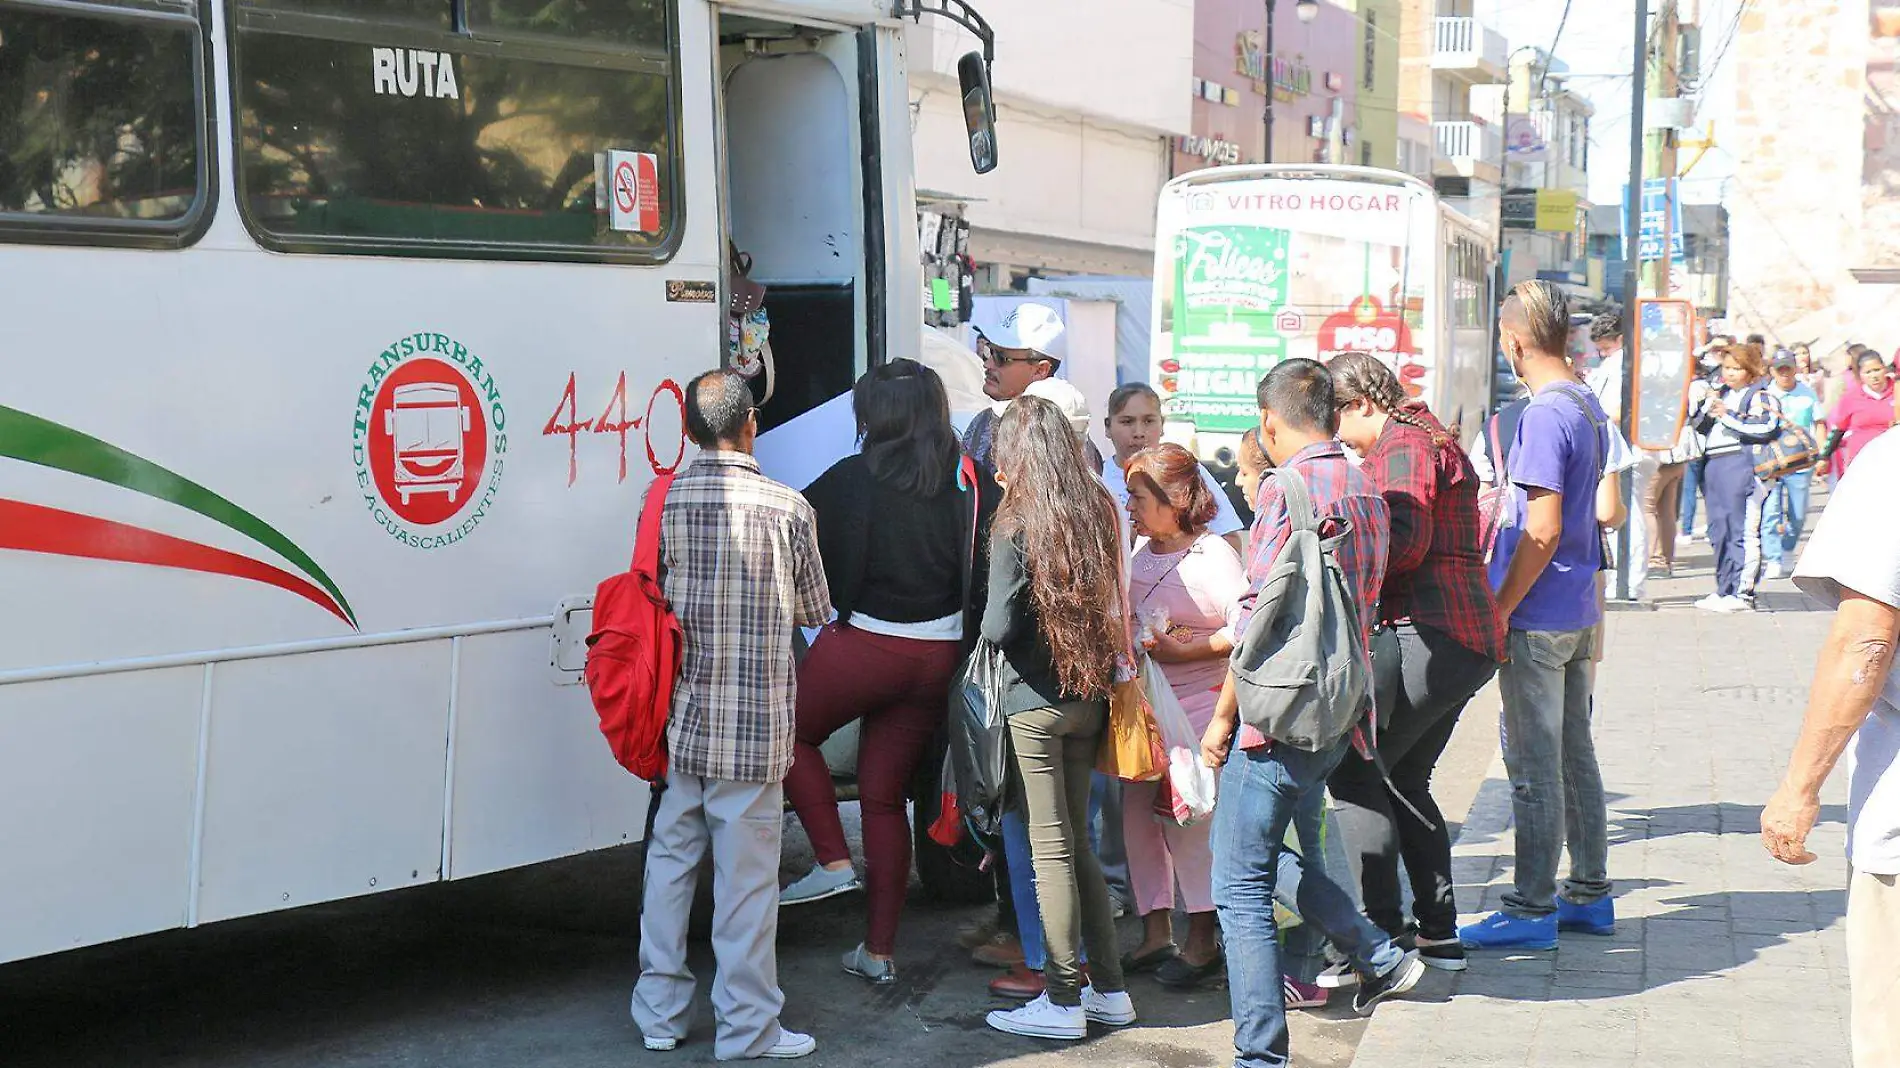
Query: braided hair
x=1363, y=376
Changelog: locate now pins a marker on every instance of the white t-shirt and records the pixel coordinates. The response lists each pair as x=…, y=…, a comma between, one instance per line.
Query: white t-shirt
x=1857, y=547
x=1225, y=522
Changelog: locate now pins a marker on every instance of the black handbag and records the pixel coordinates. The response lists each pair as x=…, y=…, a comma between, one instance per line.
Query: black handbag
x=979, y=738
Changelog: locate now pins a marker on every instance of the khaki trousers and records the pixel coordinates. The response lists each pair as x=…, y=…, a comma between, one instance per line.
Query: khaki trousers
x=1873, y=968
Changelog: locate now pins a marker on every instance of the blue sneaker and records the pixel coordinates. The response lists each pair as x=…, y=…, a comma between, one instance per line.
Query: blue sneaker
x=1596, y=918
x=1501, y=930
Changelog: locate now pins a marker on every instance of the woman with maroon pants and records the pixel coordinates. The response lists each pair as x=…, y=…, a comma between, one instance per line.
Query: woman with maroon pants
x=895, y=532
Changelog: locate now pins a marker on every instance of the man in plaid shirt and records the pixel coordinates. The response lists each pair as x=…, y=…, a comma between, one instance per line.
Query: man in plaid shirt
x=739, y=563
x=1265, y=787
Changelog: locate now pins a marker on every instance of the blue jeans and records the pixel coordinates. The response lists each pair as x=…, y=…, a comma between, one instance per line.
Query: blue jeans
x=1783, y=515
x=1691, y=485
x=1551, y=757
x=1261, y=792
x=1022, y=879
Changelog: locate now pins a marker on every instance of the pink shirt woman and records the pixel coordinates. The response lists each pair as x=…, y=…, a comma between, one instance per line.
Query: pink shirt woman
x=1865, y=409
x=1185, y=585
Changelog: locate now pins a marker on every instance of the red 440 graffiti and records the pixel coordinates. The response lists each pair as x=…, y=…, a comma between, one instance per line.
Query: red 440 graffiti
x=566, y=422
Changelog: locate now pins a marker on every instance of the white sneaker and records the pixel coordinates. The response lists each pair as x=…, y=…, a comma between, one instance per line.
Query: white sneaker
x=819, y=884
x=1775, y=572
x=660, y=1045
x=1043, y=1018
x=790, y=1046
x=1115, y=1010
x=1714, y=602
x=1734, y=604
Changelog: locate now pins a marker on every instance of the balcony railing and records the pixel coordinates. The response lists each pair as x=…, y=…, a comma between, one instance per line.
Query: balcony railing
x=1463, y=43
x=1477, y=141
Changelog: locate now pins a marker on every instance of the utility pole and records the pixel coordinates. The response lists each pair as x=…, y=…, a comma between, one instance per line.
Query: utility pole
x=1643, y=62
x=1659, y=145
x=1266, y=151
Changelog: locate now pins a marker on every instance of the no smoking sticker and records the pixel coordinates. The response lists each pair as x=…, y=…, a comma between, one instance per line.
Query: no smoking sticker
x=633, y=202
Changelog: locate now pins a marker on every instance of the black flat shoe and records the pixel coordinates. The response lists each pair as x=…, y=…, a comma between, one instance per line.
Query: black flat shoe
x=1149, y=961
x=1179, y=973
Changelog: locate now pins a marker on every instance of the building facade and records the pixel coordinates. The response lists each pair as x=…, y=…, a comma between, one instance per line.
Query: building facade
x=1815, y=224
x=1546, y=184
x=1445, y=52
x=1089, y=111
x=1315, y=83
x=1377, y=70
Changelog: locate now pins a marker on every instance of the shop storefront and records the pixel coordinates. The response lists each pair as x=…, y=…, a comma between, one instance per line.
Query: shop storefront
x=1312, y=75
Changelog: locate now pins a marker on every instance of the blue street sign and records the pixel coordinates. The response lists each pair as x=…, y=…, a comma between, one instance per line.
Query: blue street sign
x=1659, y=201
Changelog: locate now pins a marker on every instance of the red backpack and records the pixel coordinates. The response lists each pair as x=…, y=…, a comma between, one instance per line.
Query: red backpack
x=633, y=654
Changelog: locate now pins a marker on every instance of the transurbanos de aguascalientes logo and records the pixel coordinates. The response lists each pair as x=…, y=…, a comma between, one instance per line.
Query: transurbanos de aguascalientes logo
x=428, y=439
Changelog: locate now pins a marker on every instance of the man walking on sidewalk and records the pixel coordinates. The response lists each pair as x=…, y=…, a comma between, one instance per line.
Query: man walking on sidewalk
x=1853, y=565
x=1264, y=784
x=739, y=559
x=1549, y=597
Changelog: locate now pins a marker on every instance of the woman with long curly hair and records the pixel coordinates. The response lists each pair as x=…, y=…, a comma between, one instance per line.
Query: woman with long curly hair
x=1055, y=610
x=1438, y=601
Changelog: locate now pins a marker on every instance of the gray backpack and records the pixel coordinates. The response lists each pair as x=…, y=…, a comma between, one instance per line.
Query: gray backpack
x=1300, y=670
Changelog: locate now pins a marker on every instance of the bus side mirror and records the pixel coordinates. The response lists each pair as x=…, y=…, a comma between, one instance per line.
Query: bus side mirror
x=979, y=111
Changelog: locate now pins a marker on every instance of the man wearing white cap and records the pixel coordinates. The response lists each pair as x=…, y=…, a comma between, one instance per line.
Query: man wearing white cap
x=1017, y=346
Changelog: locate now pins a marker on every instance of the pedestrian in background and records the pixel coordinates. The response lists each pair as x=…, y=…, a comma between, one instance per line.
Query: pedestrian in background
x=1134, y=423
x=1056, y=609
x=1864, y=412
x=1786, y=508
x=1265, y=786
x=1853, y=566
x=1436, y=598
x=1606, y=381
x=1250, y=466
x=1737, y=415
x=894, y=531
x=1185, y=583
x=1549, y=595
x=742, y=569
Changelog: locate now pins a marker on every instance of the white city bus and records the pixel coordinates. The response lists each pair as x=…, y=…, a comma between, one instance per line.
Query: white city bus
x=338, y=339
x=1255, y=264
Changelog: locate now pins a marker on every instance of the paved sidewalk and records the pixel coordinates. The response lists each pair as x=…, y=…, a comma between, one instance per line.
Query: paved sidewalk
x=1722, y=956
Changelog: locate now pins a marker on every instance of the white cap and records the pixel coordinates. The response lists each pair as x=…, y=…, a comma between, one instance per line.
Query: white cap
x=1064, y=396
x=1026, y=326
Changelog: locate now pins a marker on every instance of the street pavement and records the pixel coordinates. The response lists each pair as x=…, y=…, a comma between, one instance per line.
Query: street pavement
x=1722, y=956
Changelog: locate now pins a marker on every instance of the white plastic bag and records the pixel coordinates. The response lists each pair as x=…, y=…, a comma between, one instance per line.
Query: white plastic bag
x=1187, y=794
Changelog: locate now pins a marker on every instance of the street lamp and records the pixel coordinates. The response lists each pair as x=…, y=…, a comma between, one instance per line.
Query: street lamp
x=1307, y=10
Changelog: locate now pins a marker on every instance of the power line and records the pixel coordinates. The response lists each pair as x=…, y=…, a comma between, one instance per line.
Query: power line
x=1704, y=77
x=1562, y=20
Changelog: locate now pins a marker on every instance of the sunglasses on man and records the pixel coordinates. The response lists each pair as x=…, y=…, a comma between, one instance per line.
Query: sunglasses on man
x=989, y=353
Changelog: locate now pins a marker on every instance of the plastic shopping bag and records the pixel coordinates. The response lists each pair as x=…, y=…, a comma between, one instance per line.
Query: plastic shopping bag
x=1188, y=789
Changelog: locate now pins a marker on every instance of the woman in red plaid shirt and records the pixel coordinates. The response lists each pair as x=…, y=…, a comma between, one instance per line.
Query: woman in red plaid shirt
x=1450, y=641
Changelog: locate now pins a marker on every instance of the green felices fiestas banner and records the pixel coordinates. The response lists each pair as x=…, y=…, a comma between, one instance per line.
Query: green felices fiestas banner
x=1230, y=285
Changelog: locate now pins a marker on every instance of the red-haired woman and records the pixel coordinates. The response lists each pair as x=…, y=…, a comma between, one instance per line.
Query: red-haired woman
x=1185, y=584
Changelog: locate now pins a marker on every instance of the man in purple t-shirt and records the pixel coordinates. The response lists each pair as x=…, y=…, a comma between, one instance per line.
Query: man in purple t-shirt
x=1549, y=597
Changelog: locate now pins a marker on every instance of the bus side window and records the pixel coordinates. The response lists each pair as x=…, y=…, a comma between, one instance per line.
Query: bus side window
x=394, y=130
x=103, y=124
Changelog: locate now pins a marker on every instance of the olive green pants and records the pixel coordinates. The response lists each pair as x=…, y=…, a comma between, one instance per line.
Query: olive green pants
x=1055, y=756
